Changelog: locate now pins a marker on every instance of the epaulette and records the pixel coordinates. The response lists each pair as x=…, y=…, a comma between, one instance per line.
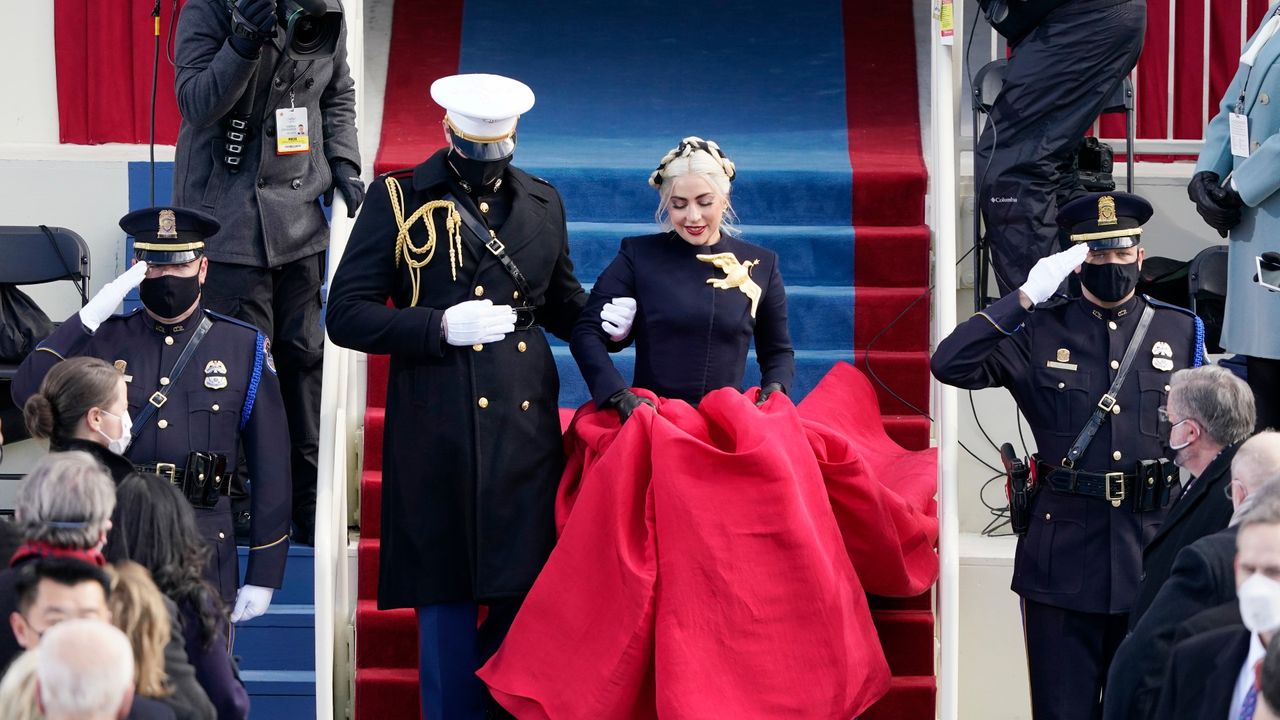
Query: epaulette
x=544, y=181
x=236, y=321
x=1168, y=306
x=402, y=172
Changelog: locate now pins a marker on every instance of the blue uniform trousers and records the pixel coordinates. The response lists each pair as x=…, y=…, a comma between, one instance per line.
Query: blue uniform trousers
x=451, y=647
x=1068, y=654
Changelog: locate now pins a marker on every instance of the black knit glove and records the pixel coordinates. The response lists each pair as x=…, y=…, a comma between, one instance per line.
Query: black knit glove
x=626, y=402
x=253, y=22
x=1220, y=207
x=768, y=389
x=346, y=178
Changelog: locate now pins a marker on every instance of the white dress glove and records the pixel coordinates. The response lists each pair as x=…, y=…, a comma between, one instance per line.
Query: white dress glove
x=251, y=601
x=476, y=322
x=103, y=305
x=1049, y=272
x=617, y=315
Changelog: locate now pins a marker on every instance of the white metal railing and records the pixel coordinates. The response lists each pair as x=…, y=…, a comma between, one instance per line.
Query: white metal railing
x=341, y=409
x=944, y=162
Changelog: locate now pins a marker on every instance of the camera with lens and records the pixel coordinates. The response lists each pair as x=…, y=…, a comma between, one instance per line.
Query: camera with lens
x=311, y=27
x=1093, y=164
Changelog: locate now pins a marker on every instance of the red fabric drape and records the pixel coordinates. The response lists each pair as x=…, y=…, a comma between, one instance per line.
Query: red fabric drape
x=104, y=53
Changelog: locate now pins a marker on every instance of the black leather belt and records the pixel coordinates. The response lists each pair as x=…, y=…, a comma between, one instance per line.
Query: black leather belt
x=169, y=471
x=1112, y=487
x=526, y=317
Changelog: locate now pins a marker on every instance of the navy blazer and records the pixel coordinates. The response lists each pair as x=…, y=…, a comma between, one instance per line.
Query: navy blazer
x=691, y=337
x=1202, y=675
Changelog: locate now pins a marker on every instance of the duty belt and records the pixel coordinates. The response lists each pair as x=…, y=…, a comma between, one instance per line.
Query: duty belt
x=1112, y=486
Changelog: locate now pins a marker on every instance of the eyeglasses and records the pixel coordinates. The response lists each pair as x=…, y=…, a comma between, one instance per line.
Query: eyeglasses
x=1162, y=413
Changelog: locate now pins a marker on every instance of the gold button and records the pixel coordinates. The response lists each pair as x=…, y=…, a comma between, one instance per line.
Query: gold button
x=1115, y=409
x=1112, y=324
x=1048, y=516
x=1061, y=385
x=216, y=408
x=479, y=291
x=1166, y=388
x=168, y=339
x=515, y=294
x=164, y=381
x=484, y=207
x=202, y=476
x=162, y=424
x=1115, y=364
x=521, y=346
x=524, y=405
x=1151, y=481
x=222, y=536
x=483, y=402
x=477, y=347
x=1115, y=455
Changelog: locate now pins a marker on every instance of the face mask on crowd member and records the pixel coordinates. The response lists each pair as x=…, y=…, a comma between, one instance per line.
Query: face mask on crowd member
x=1111, y=275
x=101, y=420
x=1177, y=431
x=169, y=291
x=1257, y=569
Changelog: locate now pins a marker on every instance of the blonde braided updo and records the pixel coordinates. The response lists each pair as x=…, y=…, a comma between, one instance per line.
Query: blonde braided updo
x=695, y=156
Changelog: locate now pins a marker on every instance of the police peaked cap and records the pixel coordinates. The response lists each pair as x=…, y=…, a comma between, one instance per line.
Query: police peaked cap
x=1107, y=221
x=168, y=235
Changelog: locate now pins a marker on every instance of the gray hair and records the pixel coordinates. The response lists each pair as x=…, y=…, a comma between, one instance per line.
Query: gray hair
x=1265, y=509
x=1214, y=397
x=85, y=669
x=1257, y=462
x=66, y=500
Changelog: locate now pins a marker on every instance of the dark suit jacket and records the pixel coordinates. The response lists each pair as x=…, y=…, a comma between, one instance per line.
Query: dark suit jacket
x=1202, y=510
x=1202, y=578
x=1202, y=675
x=145, y=708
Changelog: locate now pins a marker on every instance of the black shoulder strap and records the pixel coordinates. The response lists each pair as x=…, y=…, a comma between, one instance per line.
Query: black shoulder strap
x=1109, y=399
x=492, y=244
x=160, y=396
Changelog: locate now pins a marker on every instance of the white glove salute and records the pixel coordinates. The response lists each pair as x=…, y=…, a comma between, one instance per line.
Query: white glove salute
x=251, y=601
x=476, y=322
x=617, y=315
x=103, y=305
x=1049, y=272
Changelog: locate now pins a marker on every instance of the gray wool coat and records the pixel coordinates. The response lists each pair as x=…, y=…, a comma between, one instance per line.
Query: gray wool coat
x=269, y=209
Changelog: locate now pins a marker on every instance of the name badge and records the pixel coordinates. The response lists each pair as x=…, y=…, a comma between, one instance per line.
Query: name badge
x=1239, y=134
x=291, y=131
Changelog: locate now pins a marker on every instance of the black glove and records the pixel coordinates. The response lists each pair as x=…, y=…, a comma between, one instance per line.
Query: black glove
x=626, y=402
x=768, y=389
x=1219, y=207
x=346, y=177
x=253, y=22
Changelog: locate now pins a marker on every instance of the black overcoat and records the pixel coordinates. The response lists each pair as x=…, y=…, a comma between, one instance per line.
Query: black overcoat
x=472, y=451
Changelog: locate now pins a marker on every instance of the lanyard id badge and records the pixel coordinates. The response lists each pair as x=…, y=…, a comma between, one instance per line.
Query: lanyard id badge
x=1239, y=124
x=291, y=131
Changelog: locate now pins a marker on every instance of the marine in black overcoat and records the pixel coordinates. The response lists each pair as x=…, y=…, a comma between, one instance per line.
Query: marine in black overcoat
x=472, y=452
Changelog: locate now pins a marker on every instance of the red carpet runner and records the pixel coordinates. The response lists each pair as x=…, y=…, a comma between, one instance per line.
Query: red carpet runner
x=891, y=270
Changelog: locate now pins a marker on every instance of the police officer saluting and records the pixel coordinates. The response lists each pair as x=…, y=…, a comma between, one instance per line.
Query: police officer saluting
x=200, y=385
x=1091, y=375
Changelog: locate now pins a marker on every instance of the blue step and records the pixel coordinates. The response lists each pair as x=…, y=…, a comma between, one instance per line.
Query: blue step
x=299, y=575
x=808, y=254
x=283, y=638
x=280, y=693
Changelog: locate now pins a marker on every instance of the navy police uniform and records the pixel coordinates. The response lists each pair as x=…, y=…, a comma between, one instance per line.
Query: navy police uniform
x=226, y=398
x=1078, y=566
x=691, y=336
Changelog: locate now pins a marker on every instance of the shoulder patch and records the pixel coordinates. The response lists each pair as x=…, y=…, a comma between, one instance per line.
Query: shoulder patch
x=1168, y=306
x=234, y=321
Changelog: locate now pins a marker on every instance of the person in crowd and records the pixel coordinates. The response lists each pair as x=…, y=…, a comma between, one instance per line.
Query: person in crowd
x=702, y=296
x=1212, y=674
x=468, y=516
x=63, y=509
x=267, y=262
x=201, y=387
x=1089, y=374
x=82, y=404
x=1068, y=59
x=1201, y=578
x=1235, y=189
x=18, y=689
x=1208, y=413
x=154, y=628
x=84, y=671
x=162, y=536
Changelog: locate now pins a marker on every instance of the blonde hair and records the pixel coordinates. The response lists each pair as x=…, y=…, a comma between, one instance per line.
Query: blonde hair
x=137, y=608
x=704, y=158
x=18, y=689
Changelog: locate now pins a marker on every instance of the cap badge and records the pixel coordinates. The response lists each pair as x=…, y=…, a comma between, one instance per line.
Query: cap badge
x=167, y=226
x=1162, y=349
x=215, y=366
x=215, y=382
x=1106, y=210
x=1064, y=355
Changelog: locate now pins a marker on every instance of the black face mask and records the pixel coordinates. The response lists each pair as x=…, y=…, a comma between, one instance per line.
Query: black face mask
x=169, y=296
x=480, y=175
x=1110, y=282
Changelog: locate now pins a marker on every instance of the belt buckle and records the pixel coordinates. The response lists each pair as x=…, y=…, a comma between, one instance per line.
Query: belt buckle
x=167, y=469
x=158, y=399
x=1107, y=402
x=525, y=318
x=495, y=246
x=1118, y=479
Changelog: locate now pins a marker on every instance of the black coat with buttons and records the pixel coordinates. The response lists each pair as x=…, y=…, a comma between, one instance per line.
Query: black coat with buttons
x=472, y=450
x=1057, y=361
x=226, y=399
x=268, y=209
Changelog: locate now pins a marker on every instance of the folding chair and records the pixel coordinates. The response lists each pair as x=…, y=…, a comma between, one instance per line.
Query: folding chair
x=987, y=83
x=1207, y=285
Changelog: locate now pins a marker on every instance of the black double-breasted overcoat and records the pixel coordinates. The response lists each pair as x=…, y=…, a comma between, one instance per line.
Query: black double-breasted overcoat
x=472, y=451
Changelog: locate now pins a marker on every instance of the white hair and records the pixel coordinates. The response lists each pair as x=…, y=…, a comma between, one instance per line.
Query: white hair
x=85, y=670
x=66, y=500
x=695, y=156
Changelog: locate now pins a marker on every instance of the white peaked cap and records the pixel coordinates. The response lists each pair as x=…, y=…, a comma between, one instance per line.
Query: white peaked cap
x=482, y=108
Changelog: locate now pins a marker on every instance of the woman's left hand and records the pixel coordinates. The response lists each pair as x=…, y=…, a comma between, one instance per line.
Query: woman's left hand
x=767, y=390
x=617, y=316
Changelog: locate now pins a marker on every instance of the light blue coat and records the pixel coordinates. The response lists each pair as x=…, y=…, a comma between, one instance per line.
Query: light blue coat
x=1252, y=323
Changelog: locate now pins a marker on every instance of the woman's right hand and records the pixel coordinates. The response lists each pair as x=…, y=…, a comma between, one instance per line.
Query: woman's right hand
x=625, y=402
